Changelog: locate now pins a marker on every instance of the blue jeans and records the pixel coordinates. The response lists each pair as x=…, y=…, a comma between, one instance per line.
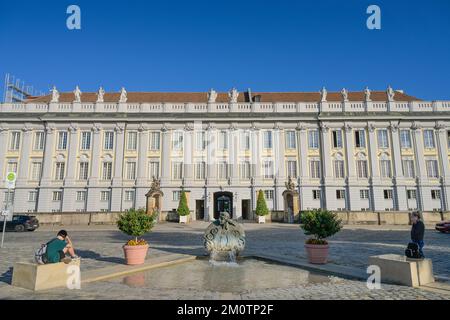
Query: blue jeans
x=420, y=243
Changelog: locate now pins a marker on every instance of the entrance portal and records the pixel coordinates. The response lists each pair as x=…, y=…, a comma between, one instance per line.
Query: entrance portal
x=199, y=209
x=246, y=210
x=223, y=202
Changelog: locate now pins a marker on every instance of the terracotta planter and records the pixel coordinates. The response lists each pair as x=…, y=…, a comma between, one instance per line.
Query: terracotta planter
x=261, y=219
x=317, y=253
x=184, y=219
x=135, y=254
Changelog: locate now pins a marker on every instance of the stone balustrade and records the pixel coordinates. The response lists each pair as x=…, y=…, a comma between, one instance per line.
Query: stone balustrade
x=255, y=107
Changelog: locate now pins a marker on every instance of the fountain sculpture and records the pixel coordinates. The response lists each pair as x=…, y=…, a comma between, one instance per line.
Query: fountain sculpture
x=224, y=239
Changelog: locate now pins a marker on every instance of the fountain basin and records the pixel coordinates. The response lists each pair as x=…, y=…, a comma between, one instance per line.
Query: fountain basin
x=245, y=275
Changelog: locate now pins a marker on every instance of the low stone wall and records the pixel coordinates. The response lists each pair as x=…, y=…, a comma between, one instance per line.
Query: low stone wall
x=77, y=218
x=348, y=217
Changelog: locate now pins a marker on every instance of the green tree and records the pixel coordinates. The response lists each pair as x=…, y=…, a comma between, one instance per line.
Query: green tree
x=321, y=224
x=183, y=208
x=135, y=222
x=261, y=205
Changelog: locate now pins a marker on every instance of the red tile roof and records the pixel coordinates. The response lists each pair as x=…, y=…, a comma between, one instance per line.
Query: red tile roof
x=202, y=97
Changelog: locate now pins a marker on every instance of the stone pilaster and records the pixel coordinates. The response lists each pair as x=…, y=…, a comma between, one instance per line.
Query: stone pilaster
x=116, y=198
x=442, y=144
x=375, y=180
x=166, y=151
x=400, y=187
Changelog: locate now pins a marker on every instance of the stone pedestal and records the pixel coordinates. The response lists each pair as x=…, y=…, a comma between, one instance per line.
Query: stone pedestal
x=37, y=277
x=401, y=270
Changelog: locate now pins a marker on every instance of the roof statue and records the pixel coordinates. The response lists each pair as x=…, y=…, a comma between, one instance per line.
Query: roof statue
x=123, y=95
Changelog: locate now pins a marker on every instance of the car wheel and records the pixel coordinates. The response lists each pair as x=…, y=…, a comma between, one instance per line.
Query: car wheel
x=19, y=228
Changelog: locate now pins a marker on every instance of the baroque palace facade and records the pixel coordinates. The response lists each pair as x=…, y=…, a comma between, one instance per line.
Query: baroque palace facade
x=344, y=151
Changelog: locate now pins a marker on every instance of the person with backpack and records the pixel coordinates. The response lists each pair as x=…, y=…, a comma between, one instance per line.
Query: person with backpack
x=59, y=247
x=417, y=232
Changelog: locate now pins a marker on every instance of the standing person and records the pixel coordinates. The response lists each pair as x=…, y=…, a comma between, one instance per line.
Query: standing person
x=417, y=232
x=59, y=247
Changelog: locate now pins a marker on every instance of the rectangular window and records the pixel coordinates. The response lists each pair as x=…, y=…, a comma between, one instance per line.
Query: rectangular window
x=268, y=194
x=411, y=194
x=12, y=166
x=360, y=138
x=383, y=139
x=176, y=195
x=435, y=194
x=314, y=168
x=340, y=194
x=268, y=142
x=57, y=195
x=62, y=140
x=81, y=195
x=223, y=170
x=428, y=139
x=107, y=171
x=337, y=138
x=291, y=140
x=313, y=139
x=129, y=196
x=9, y=197
x=245, y=140
x=291, y=167
x=84, y=171
x=364, y=194
x=387, y=194
x=200, y=141
x=132, y=141
x=177, y=142
x=316, y=194
x=60, y=170
x=448, y=139
x=408, y=168
x=200, y=170
x=131, y=170
x=14, y=141
x=36, y=169
x=245, y=170
x=104, y=196
x=339, y=171
x=155, y=141
x=32, y=196
x=154, y=169
x=268, y=169
x=177, y=170
x=86, y=140
x=108, y=140
x=432, y=168
x=405, y=139
x=39, y=139
x=361, y=169
x=385, y=168
x=223, y=140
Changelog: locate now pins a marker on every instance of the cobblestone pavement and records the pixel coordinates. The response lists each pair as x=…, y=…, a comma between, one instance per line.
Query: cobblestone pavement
x=338, y=289
x=100, y=246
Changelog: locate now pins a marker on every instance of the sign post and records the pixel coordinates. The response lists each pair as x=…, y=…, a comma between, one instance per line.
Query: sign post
x=10, y=184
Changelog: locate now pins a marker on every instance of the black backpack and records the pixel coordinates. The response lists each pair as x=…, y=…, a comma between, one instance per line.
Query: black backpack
x=412, y=251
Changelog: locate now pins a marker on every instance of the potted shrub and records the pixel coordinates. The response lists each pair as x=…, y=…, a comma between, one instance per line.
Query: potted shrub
x=183, y=208
x=320, y=224
x=135, y=223
x=261, y=207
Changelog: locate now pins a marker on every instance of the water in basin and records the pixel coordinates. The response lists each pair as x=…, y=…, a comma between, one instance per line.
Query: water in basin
x=200, y=274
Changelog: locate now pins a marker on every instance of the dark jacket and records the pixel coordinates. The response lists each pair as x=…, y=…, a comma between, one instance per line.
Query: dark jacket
x=417, y=231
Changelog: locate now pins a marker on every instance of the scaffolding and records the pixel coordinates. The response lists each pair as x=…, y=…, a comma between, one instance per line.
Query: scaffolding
x=16, y=91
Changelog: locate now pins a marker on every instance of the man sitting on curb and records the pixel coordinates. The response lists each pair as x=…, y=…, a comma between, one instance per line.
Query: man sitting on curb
x=59, y=247
x=417, y=232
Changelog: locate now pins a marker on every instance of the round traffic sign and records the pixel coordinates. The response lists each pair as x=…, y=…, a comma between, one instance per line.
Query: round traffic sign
x=11, y=177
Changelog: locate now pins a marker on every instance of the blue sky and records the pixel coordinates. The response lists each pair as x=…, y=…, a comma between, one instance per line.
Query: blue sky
x=196, y=45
